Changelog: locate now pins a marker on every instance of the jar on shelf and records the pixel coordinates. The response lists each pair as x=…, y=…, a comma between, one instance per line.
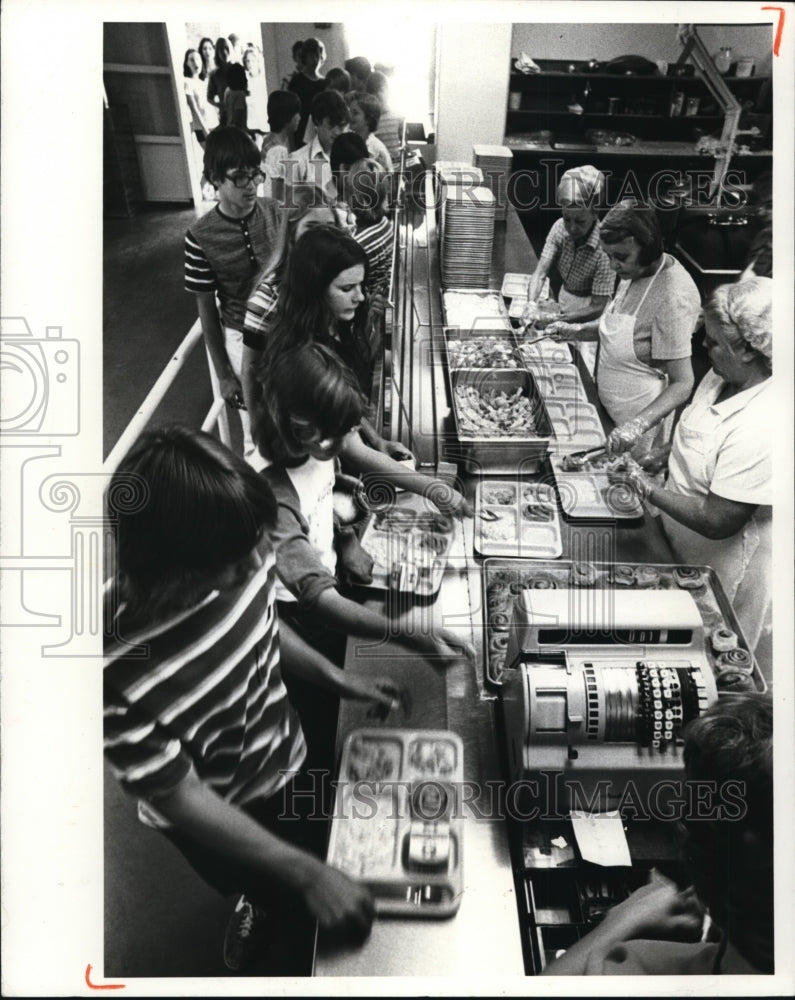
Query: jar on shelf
x=723, y=59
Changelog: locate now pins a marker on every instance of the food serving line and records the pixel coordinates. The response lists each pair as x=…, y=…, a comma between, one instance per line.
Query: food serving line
x=428, y=833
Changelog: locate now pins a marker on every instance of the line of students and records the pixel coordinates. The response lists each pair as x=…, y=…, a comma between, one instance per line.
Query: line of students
x=226, y=606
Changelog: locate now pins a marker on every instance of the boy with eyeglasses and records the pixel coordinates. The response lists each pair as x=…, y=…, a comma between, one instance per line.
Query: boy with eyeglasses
x=225, y=251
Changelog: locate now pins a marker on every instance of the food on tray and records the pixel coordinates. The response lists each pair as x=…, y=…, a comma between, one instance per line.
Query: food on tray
x=723, y=639
x=535, y=512
x=432, y=758
x=541, y=581
x=498, y=495
x=735, y=680
x=623, y=575
x=482, y=353
x=494, y=412
x=396, y=520
x=500, y=530
x=497, y=588
x=538, y=493
x=735, y=659
x=598, y=462
x=498, y=643
x=500, y=620
x=689, y=578
x=373, y=760
x=647, y=576
x=385, y=548
x=583, y=574
x=467, y=309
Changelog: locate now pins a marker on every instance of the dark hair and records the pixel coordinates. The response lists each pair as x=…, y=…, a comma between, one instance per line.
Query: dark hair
x=228, y=148
x=222, y=41
x=298, y=47
x=206, y=66
x=236, y=77
x=359, y=66
x=377, y=84
x=185, y=508
x=731, y=860
x=282, y=106
x=330, y=104
x=345, y=150
x=371, y=107
x=301, y=315
x=366, y=188
x=305, y=391
x=313, y=46
x=338, y=79
x=631, y=219
x=186, y=70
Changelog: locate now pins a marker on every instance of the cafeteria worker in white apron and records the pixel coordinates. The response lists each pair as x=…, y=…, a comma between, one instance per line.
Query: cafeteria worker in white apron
x=717, y=503
x=573, y=249
x=644, y=371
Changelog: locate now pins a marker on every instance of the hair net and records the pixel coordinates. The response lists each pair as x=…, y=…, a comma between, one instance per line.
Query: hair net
x=748, y=307
x=582, y=186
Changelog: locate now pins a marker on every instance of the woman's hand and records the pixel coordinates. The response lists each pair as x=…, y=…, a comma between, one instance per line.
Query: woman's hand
x=441, y=647
x=449, y=500
x=398, y=452
x=529, y=314
x=377, y=304
x=562, y=332
x=626, y=472
x=341, y=907
x=232, y=391
x=384, y=693
x=626, y=435
x=654, y=460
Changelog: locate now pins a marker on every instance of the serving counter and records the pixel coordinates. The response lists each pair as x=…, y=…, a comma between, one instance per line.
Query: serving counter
x=485, y=934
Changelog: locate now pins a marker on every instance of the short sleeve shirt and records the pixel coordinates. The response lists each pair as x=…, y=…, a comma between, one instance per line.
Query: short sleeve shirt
x=667, y=317
x=584, y=270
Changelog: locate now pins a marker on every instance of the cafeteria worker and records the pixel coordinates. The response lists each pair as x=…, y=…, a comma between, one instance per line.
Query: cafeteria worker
x=573, y=249
x=644, y=371
x=717, y=502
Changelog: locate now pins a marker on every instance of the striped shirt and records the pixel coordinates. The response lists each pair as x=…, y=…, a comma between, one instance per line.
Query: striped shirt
x=376, y=241
x=203, y=690
x=259, y=313
x=224, y=255
x=584, y=270
x=390, y=132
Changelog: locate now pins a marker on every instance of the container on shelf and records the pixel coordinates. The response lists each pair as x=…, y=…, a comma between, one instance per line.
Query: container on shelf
x=723, y=59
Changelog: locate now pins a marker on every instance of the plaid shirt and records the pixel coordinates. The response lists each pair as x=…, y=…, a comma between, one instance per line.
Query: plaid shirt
x=584, y=270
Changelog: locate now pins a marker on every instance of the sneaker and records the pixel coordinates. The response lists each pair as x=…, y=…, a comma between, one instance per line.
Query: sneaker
x=246, y=935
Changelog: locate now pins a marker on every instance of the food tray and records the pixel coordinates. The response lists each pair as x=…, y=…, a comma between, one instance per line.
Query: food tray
x=475, y=311
x=408, y=543
x=396, y=824
x=544, y=352
x=516, y=285
x=576, y=425
x=526, y=525
x=713, y=605
x=488, y=443
x=590, y=494
x=495, y=350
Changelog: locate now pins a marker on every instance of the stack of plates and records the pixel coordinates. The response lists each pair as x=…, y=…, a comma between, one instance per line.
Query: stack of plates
x=467, y=238
x=495, y=162
x=453, y=178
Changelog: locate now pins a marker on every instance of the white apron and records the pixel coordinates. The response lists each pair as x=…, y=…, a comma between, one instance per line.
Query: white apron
x=626, y=385
x=574, y=303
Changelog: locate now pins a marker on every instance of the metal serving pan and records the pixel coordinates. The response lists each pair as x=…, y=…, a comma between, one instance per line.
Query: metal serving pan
x=483, y=396
x=713, y=605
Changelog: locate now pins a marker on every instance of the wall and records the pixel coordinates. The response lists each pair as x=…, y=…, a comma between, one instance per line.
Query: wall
x=277, y=44
x=473, y=87
x=654, y=41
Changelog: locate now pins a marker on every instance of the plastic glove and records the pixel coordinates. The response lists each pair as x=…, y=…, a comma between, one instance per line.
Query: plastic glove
x=626, y=435
x=626, y=471
x=530, y=313
x=560, y=331
x=654, y=460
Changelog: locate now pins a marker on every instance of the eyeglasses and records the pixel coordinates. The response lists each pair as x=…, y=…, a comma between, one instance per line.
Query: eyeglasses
x=242, y=180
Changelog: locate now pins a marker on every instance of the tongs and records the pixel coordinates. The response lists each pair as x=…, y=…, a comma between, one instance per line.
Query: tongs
x=581, y=456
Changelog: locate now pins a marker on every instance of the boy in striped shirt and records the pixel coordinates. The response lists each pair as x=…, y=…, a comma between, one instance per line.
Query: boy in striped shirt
x=198, y=725
x=225, y=251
